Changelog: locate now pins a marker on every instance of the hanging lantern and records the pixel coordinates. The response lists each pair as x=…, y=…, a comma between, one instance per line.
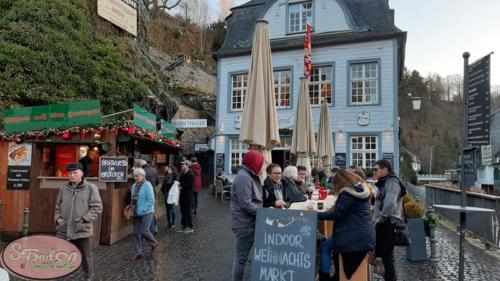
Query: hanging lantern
x=97, y=136
x=18, y=140
x=66, y=135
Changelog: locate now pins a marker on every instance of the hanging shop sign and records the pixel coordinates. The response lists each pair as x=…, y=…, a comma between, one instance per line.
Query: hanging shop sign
x=18, y=172
x=42, y=117
x=167, y=130
x=190, y=123
x=478, y=105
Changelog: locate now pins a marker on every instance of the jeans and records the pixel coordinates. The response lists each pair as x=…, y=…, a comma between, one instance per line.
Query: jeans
x=186, y=211
x=85, y=247
x=170, y=212
x=195, y=199
x=141, y=229
x=326, y=255
x=244, y=242
x=384, y=248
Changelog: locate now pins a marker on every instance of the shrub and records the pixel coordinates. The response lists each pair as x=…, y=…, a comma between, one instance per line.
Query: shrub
x=414, y=210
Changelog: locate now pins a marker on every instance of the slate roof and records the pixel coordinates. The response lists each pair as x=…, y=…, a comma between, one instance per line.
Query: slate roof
x=369, y=20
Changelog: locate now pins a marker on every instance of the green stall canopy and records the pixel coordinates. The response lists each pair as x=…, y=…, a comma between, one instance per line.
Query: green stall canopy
x=144, y=119
x=35, y=118
x=168, y=130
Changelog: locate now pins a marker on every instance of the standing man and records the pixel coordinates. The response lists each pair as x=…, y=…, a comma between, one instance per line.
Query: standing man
x=186, y=180
x=196, y=168
x=388, y=209
x=152, y=177
x=246, y=198
x=78, y=204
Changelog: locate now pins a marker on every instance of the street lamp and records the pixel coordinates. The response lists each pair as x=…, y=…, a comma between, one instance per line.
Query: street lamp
x=416, y=102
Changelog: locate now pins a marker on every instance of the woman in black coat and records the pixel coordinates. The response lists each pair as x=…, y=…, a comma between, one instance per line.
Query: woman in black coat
x=353, y=232
x=170, y=176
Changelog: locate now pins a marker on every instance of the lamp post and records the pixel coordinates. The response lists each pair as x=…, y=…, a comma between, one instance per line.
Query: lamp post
x=416, y=102
x=430, y=164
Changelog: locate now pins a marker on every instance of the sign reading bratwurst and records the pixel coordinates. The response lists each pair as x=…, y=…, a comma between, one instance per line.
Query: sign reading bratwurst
x=284, y=245
x=113, y=169
x=40, y=257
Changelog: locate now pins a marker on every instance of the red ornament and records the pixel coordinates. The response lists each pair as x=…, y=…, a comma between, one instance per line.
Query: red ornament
x=83, y=133
x=66, y=135
x=125, y=130
x=149, y=135
x=131, y=131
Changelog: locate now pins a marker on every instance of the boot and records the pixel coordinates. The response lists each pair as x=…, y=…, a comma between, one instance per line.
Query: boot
x=324, y=276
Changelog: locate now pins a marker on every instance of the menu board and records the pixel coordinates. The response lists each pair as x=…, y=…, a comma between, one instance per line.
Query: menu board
x=113, y=169
x=18, y=172
x=340, y=160
x=284, y=245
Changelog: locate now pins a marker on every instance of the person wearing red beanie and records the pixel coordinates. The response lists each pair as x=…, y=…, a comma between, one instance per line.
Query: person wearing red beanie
x=246, y=198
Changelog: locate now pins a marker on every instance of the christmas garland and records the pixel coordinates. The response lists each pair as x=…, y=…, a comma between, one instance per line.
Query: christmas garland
x=126, y=127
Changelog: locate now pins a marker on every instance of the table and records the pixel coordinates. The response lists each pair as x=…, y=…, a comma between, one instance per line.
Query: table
x=463, y=211
x=324, y=226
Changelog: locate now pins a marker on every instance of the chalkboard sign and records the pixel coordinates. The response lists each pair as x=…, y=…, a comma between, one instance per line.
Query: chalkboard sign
x=284, y=245
x=113, y=169
x=219, y=162
x=340, y=160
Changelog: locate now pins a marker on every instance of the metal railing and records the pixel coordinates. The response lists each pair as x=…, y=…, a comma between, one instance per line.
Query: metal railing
x=483, y=225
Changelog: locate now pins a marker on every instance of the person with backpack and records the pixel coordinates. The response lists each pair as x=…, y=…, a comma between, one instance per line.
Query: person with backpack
x=388, y=210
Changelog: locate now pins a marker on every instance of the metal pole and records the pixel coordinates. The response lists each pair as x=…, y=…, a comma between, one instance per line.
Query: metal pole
x=432, y=237
x=1, y=218
x=26, y=221
x=430, y=165
x=463, y=197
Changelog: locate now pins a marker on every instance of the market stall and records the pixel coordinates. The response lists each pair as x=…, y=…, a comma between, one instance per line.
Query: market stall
x=34, y=154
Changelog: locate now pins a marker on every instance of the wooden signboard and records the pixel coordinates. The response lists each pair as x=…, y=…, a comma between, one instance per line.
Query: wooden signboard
x=284, y=245
x=118, y=13
x=113, y=169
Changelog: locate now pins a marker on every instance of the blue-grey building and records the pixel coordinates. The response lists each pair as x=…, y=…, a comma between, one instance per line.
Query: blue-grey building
x=358, y=59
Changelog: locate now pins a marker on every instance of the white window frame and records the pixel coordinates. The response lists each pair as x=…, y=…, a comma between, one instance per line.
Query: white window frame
x=239, y=89
x=315, y=97
x=369, y=94
x=239, y=149
x=364, y=151
x=283, y=88
x=304, y=15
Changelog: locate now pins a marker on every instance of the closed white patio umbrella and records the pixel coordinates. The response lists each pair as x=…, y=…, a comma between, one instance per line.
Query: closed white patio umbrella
x=325, y=141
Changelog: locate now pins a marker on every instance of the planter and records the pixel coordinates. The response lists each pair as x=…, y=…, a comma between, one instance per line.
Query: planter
x=417, y=251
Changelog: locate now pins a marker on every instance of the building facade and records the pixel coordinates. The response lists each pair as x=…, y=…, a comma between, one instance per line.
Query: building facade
x=357, y=56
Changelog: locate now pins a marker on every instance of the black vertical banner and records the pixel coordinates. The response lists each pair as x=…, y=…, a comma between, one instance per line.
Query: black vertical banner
x=478, y=107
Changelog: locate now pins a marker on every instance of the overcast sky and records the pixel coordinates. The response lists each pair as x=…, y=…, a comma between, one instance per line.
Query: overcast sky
x=439, y=31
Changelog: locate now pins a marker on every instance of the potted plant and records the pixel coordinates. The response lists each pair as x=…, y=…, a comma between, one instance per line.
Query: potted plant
x=430, y=222
x=414, y=212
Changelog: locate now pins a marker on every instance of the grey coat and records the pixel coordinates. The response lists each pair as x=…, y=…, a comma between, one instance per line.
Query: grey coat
x=389, y=202
x=77, y=206
x=246, y=198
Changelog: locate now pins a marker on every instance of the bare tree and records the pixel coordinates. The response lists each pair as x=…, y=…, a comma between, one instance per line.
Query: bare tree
x=225, y=8
x=146, y=10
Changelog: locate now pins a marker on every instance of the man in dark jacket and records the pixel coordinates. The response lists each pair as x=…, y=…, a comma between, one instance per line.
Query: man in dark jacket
x=246, y=198
x=388, y=209
x=78, y=204
x=186, y=180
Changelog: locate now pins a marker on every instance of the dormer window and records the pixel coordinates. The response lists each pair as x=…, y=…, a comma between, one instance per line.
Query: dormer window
x=298, y=16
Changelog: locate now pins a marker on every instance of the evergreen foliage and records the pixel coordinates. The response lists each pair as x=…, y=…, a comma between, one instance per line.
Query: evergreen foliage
x=49, y=53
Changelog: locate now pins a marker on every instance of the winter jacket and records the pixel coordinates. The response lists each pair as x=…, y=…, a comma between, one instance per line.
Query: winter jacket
x=246, y=198
x=196, y=167
x=151, y=174
x=389, y=201
x=186, y=181
x=168, y=181
x=78, y=207
x=353, y=230
x=292, y=191
x=268, y=194
x=146, y=201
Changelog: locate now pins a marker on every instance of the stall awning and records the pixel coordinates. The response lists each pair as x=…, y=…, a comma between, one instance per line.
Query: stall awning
x=168, y=130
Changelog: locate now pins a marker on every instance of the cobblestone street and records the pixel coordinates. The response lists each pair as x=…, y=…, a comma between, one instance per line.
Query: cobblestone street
x=206, y=255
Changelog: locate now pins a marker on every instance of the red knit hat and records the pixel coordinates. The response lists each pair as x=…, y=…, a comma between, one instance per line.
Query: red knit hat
x=253, y=161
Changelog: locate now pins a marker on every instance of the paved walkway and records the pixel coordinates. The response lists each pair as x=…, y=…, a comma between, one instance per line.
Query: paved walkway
x=206, y=255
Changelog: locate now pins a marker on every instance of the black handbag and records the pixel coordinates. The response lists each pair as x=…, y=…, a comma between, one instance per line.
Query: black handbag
x=401, y=234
